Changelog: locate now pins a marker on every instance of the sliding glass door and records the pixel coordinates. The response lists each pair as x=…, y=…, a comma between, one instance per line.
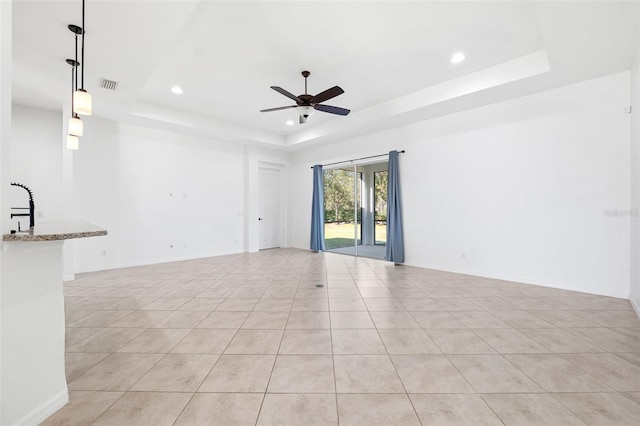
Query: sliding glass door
x=355, y=209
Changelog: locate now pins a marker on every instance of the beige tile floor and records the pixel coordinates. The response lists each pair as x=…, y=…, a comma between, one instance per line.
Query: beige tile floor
x=249, y=339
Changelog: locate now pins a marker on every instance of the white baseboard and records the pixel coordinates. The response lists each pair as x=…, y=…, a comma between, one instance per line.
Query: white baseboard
x=597, y=292
x=99, y=268
x=45, y=410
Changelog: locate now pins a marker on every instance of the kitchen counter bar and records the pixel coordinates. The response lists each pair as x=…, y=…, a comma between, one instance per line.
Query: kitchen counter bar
x=33, y=377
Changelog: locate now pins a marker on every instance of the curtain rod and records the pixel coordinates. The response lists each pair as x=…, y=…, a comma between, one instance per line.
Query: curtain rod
x=356, y=159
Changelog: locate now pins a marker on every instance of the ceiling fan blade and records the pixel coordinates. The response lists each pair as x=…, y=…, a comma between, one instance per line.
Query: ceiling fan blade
x=326, y=95
x=278, y=108
x=332, y=109
x=287, y=94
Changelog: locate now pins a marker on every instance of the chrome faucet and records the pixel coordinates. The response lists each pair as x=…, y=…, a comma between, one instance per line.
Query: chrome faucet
x=31, y=206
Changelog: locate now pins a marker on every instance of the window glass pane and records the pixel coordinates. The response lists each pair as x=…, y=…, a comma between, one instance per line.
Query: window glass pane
x=380, y=180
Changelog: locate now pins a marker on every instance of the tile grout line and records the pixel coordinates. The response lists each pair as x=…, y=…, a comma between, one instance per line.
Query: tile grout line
x=395, y=369
x=333, y=358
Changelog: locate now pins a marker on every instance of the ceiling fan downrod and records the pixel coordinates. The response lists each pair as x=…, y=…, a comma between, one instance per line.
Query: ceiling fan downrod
x=305, y=74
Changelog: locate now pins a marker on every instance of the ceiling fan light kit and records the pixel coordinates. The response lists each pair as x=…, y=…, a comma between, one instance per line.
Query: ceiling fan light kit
x=305, y=111
x=307, y=104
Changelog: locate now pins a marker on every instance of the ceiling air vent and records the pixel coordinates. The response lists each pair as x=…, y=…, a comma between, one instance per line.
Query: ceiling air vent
x=108, y=84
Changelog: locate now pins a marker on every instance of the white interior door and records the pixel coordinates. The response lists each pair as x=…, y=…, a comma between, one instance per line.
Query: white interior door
x=269, y=208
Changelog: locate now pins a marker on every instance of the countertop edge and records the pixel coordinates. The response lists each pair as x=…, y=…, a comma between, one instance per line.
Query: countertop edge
x=53, y=236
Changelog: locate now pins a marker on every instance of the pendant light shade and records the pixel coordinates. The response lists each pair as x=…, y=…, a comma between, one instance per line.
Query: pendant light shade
x=75, y=126
x=73, y=142
x=81, y=102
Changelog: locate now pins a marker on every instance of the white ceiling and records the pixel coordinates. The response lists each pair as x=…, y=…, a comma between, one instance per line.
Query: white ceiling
x=391, y=58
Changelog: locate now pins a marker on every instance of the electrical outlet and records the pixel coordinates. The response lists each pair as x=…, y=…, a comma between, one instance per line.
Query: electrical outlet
x=171, y=246
x=463, y=255
x=103, y=253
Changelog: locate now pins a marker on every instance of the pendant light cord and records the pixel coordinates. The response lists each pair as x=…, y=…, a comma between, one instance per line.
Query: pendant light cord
x=76, y=65
x=74, y=83
x=74, y=71
x=82, y=59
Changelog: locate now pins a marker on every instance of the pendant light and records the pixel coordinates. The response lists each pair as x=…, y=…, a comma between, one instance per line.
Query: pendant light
x=75, y=126
x=75, y=123
x=81, y=98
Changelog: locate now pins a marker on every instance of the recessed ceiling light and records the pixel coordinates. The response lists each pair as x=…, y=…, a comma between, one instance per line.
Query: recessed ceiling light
x=177, y=90
x=457, y=58
x=289, y=122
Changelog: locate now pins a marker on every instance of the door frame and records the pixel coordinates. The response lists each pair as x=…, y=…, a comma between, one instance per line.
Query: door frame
x=278, y=190
x=255, y=162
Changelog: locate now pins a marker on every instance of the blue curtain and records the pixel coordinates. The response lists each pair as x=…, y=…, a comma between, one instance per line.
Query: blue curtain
x=395, y=238
x=317, y=210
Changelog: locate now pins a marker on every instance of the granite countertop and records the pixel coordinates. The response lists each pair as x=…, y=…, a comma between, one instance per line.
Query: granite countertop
x=57, y=230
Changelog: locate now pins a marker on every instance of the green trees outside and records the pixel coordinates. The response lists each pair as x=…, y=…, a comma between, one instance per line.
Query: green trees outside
x=338, y=195
x=380, y=181
x=339, y=199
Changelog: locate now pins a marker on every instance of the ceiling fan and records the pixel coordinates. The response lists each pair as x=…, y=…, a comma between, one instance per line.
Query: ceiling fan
x=306, y=104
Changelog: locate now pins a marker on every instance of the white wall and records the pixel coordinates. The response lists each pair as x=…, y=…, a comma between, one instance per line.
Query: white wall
x=516, y=190
x=5, y=153
x=6, y=25
x=161, y=196
x=36, y=161
x=635, y=185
